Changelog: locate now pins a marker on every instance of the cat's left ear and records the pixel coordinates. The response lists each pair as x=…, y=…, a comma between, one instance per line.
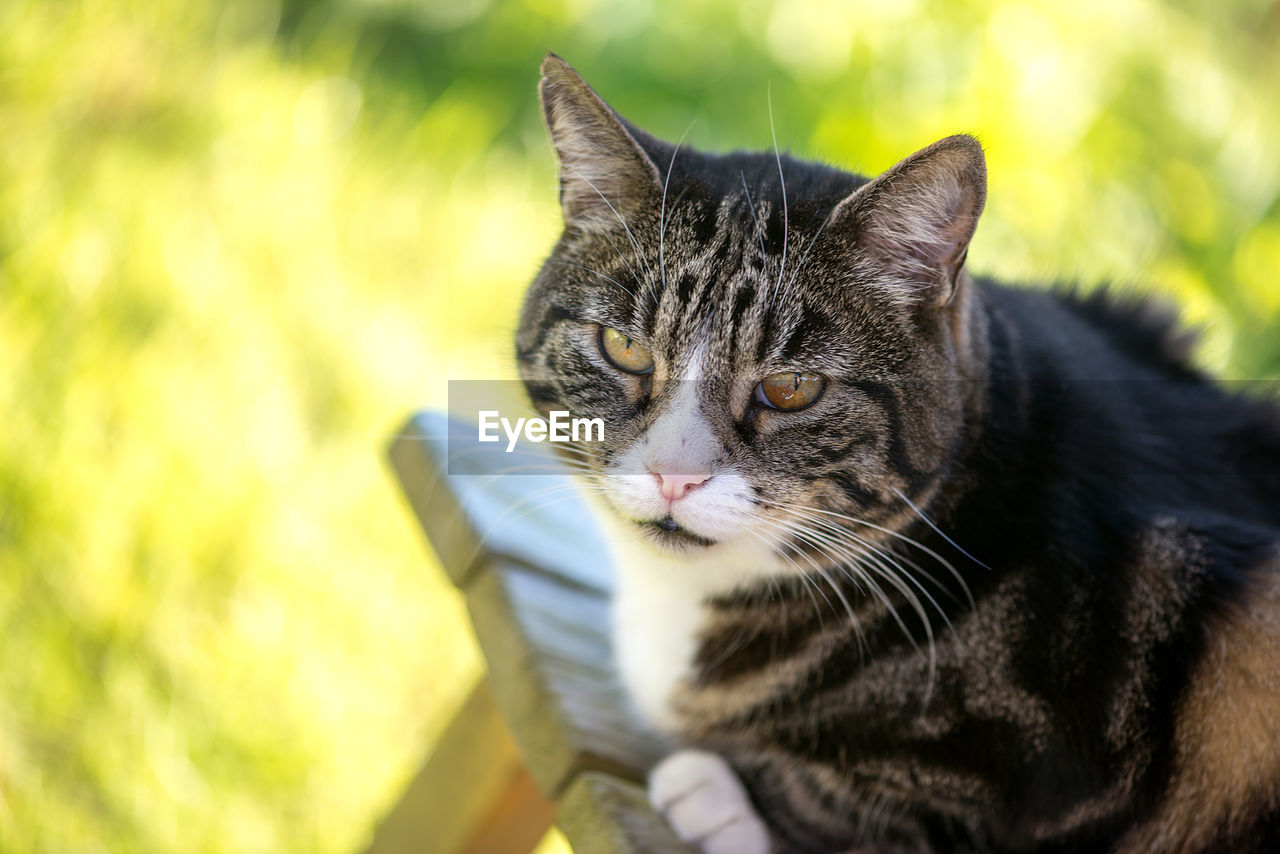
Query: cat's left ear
x=915, y=221
x=605, y=176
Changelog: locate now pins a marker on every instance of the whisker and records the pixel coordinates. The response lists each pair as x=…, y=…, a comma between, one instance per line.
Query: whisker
x=754, y=218
x=571, y=491
x=897, y=535
x=857, y=553
x=939, y=531
x=662, y=214
x=596, y=272
x=886, y=551
x=786, y=224
x=795, y=274
x=834, y=587
x=589, y=451
x=635, y=245
x=884, y=558
x=807, y=582
x=893, y=572
x=853, y=561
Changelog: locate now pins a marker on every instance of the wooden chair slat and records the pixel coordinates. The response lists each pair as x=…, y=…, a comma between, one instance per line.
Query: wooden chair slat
x=600, y=814
x=472, y=786
x=538, y=520
x=548, y=649
x=536, y=575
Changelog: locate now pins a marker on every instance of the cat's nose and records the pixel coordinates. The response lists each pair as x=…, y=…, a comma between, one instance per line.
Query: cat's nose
x=676, y=486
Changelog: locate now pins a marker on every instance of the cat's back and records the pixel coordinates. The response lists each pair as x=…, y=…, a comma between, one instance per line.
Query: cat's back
x=1194, y=465
x=1116, y=378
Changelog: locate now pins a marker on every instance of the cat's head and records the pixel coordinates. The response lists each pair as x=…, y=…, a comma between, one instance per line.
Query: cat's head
x=772, y=345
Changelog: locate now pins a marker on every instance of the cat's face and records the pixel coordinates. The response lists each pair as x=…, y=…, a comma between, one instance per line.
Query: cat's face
x=763, y=369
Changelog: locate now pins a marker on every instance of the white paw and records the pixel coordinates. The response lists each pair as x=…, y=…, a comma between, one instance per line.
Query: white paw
x=705, y=803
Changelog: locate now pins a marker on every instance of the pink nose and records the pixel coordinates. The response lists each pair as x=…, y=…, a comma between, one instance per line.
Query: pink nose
x=677, y=486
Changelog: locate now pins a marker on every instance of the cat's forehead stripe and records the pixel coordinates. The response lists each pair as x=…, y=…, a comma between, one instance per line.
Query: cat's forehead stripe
x=720, y=275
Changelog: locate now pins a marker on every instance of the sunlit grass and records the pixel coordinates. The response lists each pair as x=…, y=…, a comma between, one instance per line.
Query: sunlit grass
x=239, y=242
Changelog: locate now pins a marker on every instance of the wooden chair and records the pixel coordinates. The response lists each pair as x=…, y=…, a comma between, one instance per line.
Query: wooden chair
x=546, y=736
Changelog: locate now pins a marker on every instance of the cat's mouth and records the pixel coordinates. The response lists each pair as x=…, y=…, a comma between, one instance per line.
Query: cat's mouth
x=669, y=532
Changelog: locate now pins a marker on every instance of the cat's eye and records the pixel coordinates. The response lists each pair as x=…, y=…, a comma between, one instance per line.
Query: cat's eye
x=624, y=352
x=790, y=390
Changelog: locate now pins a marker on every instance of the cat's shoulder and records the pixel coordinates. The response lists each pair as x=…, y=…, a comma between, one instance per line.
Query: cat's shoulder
x=1145, y=329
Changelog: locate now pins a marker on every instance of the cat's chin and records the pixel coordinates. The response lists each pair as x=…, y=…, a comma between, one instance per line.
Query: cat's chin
x=669, y=535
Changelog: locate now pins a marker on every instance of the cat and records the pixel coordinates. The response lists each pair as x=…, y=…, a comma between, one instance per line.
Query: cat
x=909, y=561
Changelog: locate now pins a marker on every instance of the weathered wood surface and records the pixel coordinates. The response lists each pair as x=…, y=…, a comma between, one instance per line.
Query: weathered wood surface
x=600, y=813
x=536, y=575
x=469, y=514
x=547, y=645
x=473, y=795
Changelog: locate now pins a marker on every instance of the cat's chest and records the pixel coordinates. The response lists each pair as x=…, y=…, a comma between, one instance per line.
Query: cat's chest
x=659, y=619
x=656, y=631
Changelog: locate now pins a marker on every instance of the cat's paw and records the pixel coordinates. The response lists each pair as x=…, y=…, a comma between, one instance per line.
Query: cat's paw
x=705, y=804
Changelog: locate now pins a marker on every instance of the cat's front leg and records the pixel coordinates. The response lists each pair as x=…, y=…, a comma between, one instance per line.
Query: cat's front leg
x=704, y=802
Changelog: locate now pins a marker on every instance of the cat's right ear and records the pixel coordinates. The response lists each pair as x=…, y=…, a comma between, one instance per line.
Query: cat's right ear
x=605, y=175
x=916, y=220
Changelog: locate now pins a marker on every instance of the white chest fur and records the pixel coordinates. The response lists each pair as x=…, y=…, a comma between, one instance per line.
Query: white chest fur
x=655, y=635
x=658, y=615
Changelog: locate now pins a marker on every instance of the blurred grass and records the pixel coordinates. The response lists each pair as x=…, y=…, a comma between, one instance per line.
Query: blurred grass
x=239, y=241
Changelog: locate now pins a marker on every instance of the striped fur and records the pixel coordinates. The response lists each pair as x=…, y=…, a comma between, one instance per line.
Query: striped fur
x=1011, y=584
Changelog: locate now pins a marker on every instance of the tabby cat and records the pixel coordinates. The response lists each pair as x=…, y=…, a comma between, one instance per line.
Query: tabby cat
x=908, y=560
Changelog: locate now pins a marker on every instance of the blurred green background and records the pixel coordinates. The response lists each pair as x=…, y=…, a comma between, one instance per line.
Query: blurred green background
x=239, y=241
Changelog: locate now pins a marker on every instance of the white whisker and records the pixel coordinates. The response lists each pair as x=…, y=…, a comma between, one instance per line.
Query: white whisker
x=883, y=558
x=596, y=272
x=835, y=587
x=755, y=219
x=806, y=581
x=795, y=274
x=897, y=535
x=851, y=561
x=635, y=245
x=939, y=531
x=662, y=213
x=786, y=223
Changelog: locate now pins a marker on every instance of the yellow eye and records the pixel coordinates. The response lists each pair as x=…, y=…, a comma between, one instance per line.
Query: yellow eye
x=624, y=353
x=790, y=390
